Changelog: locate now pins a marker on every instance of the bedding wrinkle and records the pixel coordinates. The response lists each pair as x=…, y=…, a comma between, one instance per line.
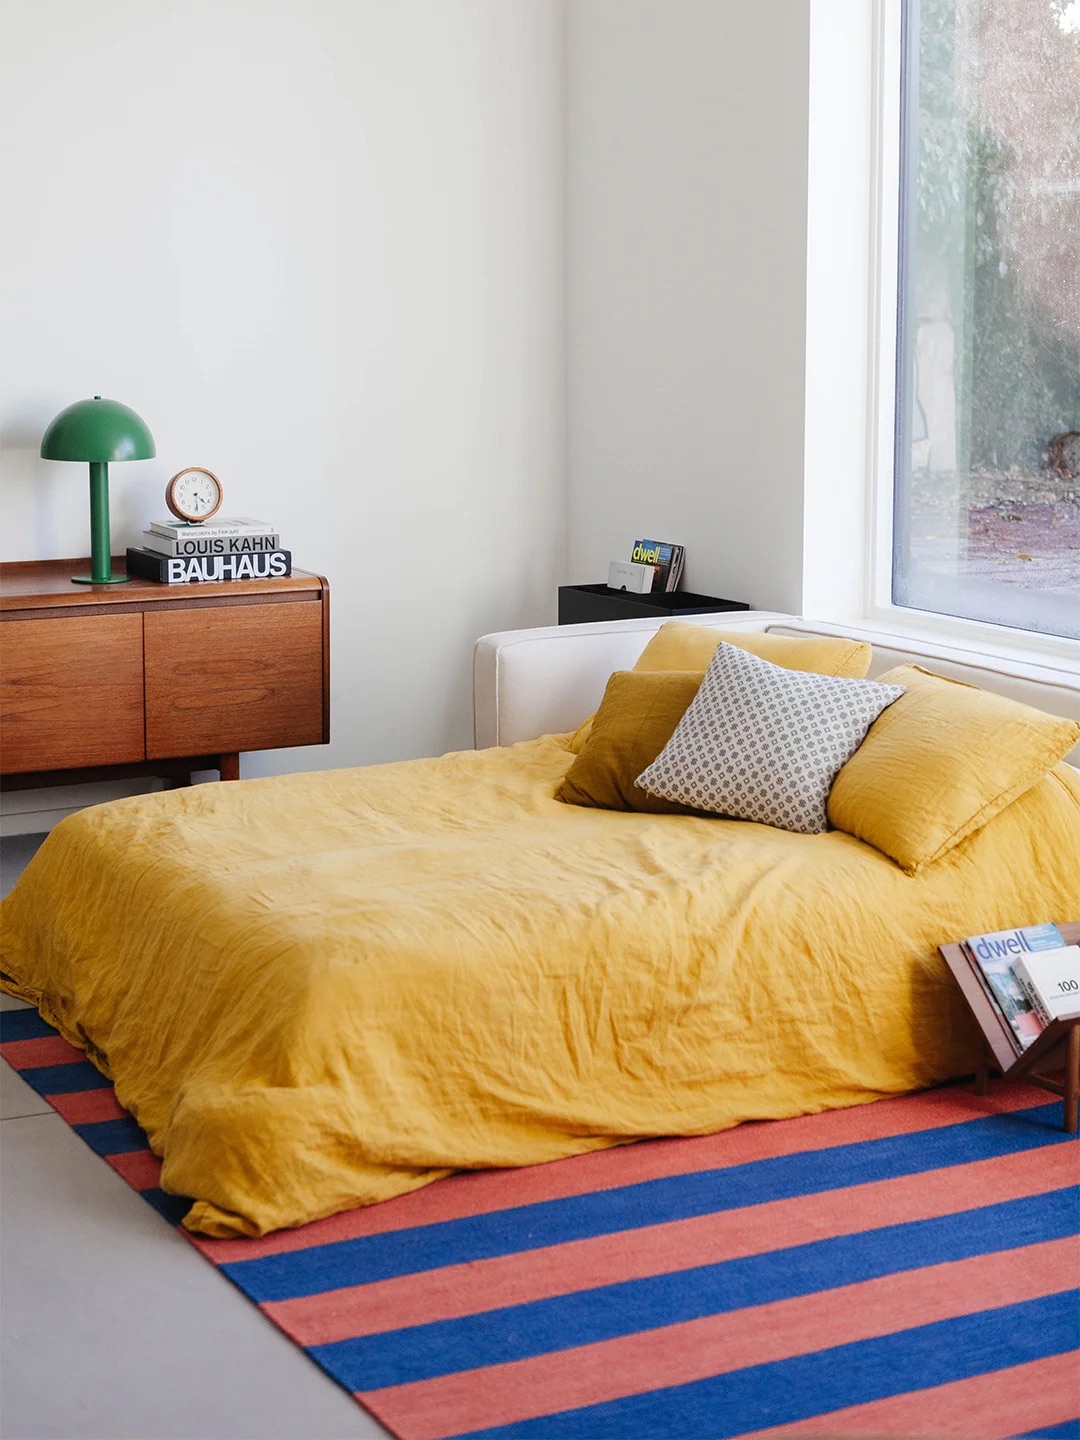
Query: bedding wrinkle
x=321, y=990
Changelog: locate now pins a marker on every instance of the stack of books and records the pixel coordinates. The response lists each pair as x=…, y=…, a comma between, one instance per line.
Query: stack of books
x=1031, y=976
x=175, y=552
x=666, y=560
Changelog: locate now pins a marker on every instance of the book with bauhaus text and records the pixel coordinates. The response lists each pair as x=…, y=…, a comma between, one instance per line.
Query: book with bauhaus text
x=193, y=569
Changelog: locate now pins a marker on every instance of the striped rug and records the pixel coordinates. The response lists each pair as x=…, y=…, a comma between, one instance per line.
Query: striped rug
x=908, y=1268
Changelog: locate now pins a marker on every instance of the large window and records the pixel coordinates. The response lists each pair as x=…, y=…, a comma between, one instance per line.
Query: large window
x=987, y=466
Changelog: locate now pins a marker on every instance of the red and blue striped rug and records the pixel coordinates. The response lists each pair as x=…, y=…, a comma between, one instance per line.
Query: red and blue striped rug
x=907, y=1268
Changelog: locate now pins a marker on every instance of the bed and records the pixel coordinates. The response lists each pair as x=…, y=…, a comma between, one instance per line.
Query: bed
x=318, y=991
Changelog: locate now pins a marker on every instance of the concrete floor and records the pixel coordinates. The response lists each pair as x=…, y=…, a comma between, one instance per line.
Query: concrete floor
x=111, y=1326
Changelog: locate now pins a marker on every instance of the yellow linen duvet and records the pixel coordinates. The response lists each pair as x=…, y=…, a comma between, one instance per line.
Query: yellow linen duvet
x=322, y=990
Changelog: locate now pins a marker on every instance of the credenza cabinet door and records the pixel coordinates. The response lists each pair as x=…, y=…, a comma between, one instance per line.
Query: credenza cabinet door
x=71, y=692
x=233, y=677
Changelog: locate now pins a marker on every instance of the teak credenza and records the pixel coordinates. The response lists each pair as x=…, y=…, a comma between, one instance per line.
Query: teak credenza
x=102, y=682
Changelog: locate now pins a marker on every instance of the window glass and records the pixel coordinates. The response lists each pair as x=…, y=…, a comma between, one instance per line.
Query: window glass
x=987, y=492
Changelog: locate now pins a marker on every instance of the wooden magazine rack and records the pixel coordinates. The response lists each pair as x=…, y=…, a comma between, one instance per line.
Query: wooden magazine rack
x=1055, y=1052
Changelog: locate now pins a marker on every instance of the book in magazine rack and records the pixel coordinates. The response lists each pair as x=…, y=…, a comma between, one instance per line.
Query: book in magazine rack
x=1056, y=1050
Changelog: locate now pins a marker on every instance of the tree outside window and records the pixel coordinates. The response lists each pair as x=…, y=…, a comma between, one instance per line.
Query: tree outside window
x=987, y=516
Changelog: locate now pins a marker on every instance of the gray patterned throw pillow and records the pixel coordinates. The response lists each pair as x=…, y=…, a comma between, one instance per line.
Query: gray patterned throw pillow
x=763, y=743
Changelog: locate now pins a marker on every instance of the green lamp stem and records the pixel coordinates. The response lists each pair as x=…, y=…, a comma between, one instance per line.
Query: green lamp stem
x=100, y=541
x=100, y=544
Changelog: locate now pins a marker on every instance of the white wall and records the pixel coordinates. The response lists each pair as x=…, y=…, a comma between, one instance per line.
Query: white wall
x=686, y=270
x=853, y=116
x=319, y=248
x=473, y=287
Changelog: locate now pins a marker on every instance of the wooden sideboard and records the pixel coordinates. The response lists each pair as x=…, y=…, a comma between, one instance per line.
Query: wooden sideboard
x=107, y=681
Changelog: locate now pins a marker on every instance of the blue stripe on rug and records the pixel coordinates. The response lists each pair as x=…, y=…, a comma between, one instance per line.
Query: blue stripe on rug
x=1067, y=1430
x=113, y=1137
x=65, y=1079
x=786, y=1391
x=23, y=1025
x=650, y=1202
x=562, y=1322
x=173, y=1207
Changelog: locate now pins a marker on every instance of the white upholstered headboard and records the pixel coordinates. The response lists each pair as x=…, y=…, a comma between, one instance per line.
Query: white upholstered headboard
x=546, y=681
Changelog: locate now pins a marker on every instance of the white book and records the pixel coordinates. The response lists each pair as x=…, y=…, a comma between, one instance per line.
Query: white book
x=211, y=529
x=1051, y=980
x=627, y=575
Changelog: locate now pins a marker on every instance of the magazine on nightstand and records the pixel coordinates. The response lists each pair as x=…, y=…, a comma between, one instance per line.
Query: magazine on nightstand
x=666, y=560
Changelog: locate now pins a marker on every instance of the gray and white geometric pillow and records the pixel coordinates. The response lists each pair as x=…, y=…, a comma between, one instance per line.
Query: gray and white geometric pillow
x=763, y=743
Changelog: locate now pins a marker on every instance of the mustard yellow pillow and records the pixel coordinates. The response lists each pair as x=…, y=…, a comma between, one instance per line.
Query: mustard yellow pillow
x=636, y=719
x=678, y=645
x=939, y=763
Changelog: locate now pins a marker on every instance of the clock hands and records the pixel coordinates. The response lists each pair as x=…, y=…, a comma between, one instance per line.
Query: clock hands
x=192, y=498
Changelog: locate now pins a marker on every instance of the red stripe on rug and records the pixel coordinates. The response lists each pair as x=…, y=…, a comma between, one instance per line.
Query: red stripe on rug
x=46, y=1050
x=487, y=1191
x=83, y=1107
x=1020, y=1399
x=140, y=1168
x=697, y=1349
x=479, y=1285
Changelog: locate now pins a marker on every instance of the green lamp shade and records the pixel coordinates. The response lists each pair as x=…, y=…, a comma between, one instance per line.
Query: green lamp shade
x=100, y=430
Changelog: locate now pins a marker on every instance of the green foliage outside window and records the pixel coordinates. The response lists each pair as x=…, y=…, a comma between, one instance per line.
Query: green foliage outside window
x=998, y=216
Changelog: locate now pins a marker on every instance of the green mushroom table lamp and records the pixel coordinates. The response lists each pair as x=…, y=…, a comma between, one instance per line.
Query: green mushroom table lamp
x=98, y=431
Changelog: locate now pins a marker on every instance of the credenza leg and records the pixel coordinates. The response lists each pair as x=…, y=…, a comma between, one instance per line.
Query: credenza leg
x=229, y=767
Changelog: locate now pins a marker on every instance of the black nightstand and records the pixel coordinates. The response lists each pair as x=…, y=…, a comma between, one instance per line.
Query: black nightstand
x=580, y=603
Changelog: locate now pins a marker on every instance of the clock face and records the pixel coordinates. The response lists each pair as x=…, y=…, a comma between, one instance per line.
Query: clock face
x=194, y=494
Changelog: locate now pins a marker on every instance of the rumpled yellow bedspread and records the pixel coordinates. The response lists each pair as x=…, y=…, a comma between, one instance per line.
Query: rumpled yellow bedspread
x=322, y=990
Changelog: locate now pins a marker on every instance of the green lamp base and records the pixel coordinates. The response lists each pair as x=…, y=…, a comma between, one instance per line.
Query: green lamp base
x=89, y=580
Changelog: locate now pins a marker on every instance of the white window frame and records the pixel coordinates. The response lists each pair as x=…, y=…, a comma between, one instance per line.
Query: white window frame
x=854, y=155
